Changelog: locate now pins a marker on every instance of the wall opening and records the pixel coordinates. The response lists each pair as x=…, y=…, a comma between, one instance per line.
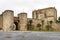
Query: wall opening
x=16, y=25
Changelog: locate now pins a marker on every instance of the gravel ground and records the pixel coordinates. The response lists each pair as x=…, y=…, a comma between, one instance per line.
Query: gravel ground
x=18, y=35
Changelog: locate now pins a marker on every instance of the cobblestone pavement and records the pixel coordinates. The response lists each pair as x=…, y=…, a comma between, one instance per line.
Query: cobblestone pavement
x=18, y=35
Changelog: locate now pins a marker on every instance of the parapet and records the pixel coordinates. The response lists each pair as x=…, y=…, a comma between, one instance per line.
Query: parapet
x=47, y=8
x=8, y=11
x=23, y=13
x=44, y=9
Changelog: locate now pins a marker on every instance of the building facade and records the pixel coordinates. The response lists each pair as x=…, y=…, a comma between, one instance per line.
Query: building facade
x=47, y=15
x=40, y=16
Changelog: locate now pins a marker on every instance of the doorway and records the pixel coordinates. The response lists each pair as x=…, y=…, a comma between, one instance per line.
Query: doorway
x=16, y=23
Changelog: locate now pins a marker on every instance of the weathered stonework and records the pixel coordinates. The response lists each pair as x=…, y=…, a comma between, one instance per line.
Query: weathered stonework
x=22, y=21
x=1, y=22
x=47, y=14
x=7, y=20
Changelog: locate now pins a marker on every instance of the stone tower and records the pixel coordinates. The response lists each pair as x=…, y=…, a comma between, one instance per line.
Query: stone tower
x=22, y=21
x=7, y=20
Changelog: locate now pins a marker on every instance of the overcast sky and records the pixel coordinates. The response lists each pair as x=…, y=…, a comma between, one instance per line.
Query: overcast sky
x=28, y=6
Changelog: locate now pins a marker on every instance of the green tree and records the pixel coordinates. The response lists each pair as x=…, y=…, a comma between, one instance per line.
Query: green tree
x=51, y=22
x=58, y=19
x=30, y=25
x=30, y=22
x=48, y=27
x=39, y=26
x=42, y=21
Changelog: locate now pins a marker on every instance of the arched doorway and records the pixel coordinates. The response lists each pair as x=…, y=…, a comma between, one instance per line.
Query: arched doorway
x=16, y=23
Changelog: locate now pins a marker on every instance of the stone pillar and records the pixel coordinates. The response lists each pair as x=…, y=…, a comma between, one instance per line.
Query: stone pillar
x=22, y=21
x=7, y=20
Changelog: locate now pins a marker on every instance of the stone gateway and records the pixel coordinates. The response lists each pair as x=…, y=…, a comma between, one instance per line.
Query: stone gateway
x=43, y=17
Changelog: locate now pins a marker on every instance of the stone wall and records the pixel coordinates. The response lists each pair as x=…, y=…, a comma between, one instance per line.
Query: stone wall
x=1, y=21
x=7, y=20
x=46, y=14
x=43, y=13
x=51, y=12
x=22, y=21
